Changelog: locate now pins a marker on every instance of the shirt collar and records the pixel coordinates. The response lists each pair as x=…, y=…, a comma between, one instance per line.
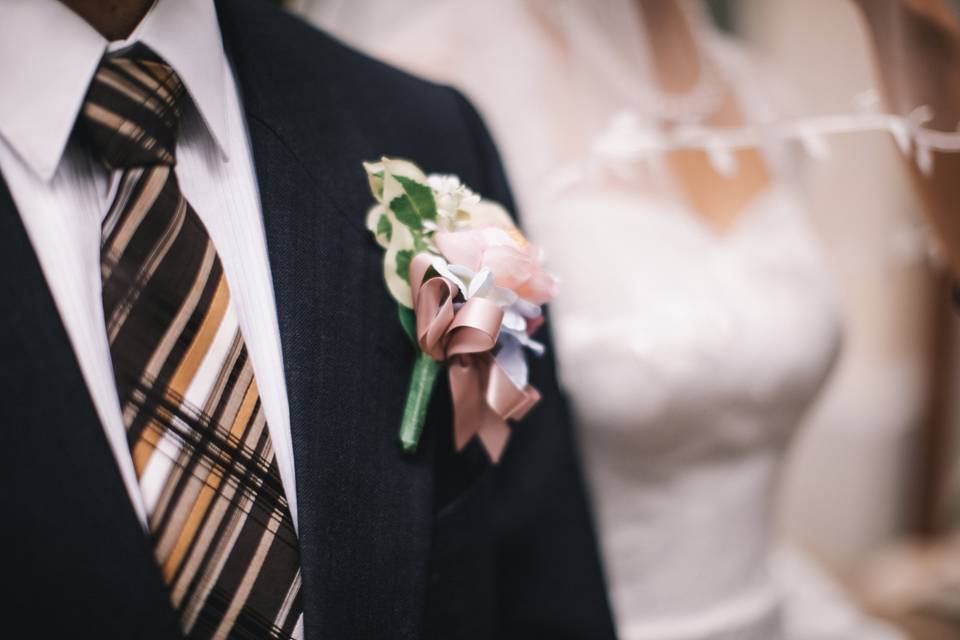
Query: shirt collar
x=48, y=56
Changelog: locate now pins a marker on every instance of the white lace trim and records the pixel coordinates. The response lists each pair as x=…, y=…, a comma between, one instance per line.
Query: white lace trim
x=627, y=140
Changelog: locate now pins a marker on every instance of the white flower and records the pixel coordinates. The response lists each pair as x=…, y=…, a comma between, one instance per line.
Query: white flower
x=455, y=202
x=514, y=338
x=475, y=284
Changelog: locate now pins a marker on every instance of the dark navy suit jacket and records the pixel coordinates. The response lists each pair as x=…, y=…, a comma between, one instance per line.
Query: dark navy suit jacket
x=433, y=545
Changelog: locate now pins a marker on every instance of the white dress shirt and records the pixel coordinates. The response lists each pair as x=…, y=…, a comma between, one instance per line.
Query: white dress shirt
x=48, y=56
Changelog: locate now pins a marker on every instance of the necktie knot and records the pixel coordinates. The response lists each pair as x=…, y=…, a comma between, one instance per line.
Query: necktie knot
x=132, y=111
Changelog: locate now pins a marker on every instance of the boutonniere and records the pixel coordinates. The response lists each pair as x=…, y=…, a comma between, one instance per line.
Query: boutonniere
x=469, y=290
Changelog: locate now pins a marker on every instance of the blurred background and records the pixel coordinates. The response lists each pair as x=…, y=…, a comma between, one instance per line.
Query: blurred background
x=871, y=486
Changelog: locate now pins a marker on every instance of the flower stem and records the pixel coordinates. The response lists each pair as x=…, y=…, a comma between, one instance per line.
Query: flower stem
x=425, y=371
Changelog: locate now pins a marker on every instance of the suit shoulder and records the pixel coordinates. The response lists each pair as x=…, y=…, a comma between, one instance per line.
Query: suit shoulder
x=309, y=80
x=296, y=42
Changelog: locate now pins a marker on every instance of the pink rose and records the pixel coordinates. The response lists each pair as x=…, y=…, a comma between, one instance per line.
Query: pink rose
x=515, y=263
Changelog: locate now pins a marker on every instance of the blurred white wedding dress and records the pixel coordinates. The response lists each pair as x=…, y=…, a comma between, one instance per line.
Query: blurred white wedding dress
x=689, y=354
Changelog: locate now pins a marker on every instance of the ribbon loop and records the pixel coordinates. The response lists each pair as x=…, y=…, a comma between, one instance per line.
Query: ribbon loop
x=435, y=314
x=475, y=328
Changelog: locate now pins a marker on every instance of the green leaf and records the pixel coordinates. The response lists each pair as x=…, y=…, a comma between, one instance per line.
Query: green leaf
x=408, y=321
x=421, y=197
x=415, y=205
x=403, y=208
x=403, y=264
x=384, y=228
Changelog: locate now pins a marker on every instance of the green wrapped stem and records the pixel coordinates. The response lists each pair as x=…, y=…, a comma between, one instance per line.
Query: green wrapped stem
x=424, y=376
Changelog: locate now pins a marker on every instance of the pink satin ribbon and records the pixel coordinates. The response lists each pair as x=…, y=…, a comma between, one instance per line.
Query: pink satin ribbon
x=484, y=397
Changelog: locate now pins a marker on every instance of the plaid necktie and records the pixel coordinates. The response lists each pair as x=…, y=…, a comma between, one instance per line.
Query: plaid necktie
x=218, y=517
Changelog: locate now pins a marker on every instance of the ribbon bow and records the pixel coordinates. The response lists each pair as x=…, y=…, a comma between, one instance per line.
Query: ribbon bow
x=484, y=396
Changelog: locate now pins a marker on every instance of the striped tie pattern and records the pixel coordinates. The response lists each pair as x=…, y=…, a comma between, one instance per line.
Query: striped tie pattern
x=217, y=514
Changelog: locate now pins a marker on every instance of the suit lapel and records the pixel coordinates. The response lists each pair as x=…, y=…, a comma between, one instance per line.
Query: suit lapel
x=365, y=509
x=81, y=552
